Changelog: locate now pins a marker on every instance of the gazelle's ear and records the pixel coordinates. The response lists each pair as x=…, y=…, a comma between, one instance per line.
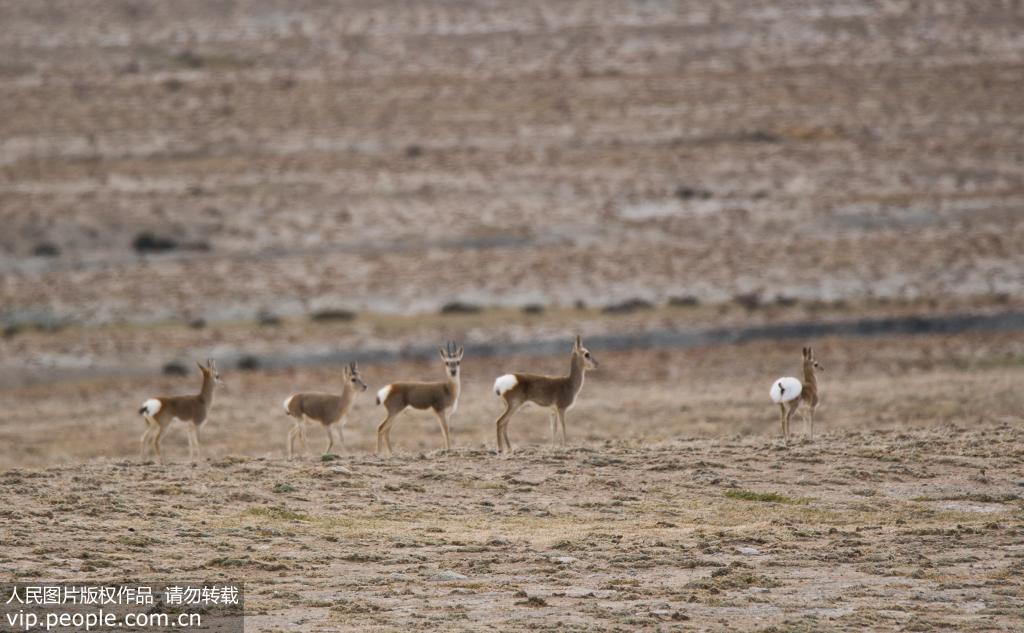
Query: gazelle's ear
x=579, y=342
x=440, y=350
x=200, y=366
x=462, y=350
x=810, y=352
x=355, y=367
x=803, y=352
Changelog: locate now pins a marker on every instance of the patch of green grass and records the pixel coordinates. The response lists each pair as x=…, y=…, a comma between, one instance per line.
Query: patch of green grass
x=765, y=497
x=283, y=487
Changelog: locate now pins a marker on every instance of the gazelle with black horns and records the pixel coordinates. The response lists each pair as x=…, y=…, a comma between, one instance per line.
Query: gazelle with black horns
x=161, y=411
x=557, y=392
x=326, y=408
x=441, y=397
x=789, y=392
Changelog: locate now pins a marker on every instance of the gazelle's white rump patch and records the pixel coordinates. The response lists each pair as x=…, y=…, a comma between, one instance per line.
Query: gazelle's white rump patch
x=151, y=407
x=288, y=404
x=785, y=389
x=505, y=383
x=383, y=394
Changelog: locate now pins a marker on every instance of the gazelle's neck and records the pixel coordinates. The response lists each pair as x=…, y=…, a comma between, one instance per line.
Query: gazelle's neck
x=206, y=394
x=809, y=377
x=576, y=371
x=455, y=384
x=348, y=394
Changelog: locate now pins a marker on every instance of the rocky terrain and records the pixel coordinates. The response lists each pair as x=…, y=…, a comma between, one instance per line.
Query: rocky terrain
x=217, y=159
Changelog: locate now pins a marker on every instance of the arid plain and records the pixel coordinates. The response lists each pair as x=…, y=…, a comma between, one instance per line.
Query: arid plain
x=699, y=188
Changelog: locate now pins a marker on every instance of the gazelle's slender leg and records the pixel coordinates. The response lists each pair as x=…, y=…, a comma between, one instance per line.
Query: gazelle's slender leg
x=387, y=436
x=812, y=421
x=191, y=443
x=782, y=419
x=330, y=439
x=442, y=419
x=302, y=436
x=504, y=433
x=505, y=425
x=382, y=434
x=156, y=443
x=501, y=424
x=292, y=436
x=195, y=435
x=145, y=440
x=561, y=421
x=793, y=405
x=553, y=418
x=498, y=424
x=341, y=433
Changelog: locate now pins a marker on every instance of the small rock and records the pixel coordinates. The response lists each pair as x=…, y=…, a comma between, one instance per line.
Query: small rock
x=449, y=575
x=398, y=576
x=748, y=551
x=564, y=560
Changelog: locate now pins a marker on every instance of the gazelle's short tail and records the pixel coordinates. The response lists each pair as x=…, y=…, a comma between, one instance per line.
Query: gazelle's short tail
x=151, y=407
x=505, y=383
x=785, y=390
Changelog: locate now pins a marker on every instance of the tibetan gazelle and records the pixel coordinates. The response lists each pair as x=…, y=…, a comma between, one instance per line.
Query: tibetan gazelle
x=557, y=392
x=789, y=392
x=161, y=411
x=441, y=397
x=326, y=408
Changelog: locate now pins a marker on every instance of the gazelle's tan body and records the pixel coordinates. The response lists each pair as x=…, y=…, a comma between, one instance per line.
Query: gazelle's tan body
x=556, y=392
x=159, y=412
x=440, y=397
x=328, y=409
x=808, y=392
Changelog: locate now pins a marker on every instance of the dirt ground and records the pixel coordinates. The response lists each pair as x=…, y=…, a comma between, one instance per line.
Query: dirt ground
x=382, y=158
x=675, y=504
x=910, y=530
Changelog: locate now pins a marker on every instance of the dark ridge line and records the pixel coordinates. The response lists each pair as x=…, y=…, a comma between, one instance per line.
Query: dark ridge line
x=670, y=339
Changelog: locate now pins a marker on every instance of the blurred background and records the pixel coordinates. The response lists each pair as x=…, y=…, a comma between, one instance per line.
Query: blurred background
x=698, y=188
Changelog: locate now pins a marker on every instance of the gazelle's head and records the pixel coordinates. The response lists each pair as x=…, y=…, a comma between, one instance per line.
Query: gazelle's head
x=353, y=378
x=809, y=362
x=452, y=358
x=210, y=369
x=589, y=362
